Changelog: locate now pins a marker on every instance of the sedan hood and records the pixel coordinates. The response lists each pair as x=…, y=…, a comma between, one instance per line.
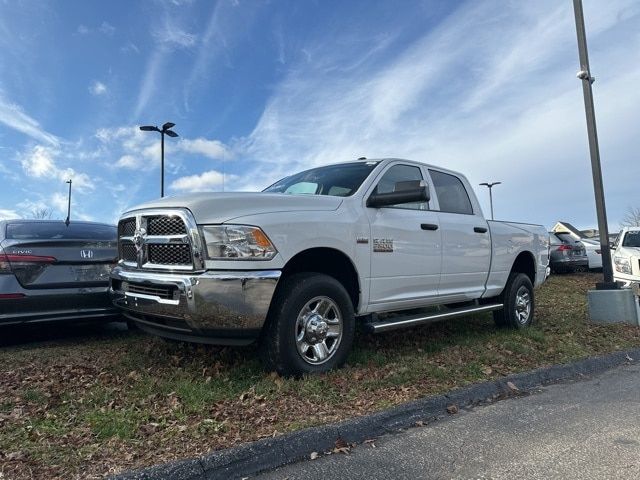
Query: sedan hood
x=224, y=207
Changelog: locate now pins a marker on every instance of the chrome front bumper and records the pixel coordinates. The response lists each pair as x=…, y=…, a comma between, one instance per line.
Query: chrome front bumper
x=198, y=307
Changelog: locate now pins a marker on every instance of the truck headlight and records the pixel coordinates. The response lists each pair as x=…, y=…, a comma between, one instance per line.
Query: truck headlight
x=622, y=265
x=237, y=242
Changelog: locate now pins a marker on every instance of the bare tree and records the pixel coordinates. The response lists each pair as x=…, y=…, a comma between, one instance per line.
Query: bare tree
x=42, y=213
x=631, y=218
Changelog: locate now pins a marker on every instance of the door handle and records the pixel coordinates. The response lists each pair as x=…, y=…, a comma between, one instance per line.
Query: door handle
x=480, y=229
x=428, y=226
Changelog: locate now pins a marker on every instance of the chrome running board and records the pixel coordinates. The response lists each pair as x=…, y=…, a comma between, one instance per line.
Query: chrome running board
x=422, y=319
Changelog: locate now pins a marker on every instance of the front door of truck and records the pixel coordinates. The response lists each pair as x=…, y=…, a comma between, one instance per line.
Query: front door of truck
x=405, y=245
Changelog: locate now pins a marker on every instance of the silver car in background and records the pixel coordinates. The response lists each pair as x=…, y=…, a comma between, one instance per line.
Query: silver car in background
x=53, y=271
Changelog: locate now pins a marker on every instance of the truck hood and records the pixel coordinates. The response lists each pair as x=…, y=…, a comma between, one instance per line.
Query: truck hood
x=627, y=251
x=223, y=207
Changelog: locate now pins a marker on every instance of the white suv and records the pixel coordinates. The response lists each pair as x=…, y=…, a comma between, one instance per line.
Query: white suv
x=626, y=256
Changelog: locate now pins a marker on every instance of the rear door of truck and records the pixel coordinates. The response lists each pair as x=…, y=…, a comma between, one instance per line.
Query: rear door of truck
x=466, y=239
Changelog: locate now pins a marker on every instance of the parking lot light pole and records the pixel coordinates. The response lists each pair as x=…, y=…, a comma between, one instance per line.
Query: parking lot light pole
x=166, y=130
x=585, y=75
x=490, y=186
x=68, y=220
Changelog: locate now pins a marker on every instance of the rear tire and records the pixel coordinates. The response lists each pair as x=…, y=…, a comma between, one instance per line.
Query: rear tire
x=519, y=302
x=310, y=326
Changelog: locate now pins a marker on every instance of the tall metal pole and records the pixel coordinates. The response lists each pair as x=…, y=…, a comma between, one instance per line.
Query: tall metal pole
x=491, y=201
x=585, y=75
x=490, y=186
x=162, y=164
x=68, y=220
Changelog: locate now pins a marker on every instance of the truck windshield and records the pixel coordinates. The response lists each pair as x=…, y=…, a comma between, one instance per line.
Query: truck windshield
x=336, y=180
x=631, y=239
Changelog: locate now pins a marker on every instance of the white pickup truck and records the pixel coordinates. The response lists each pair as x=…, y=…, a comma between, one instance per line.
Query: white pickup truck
x=391, y=243
x=626, y=256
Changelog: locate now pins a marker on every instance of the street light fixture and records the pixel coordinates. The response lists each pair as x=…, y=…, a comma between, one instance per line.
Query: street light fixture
x=490, y=186
x=166, y=130
x=68, y=220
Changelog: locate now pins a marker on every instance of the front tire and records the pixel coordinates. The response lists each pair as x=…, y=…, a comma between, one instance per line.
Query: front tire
x=519, y=302
x=310, y=327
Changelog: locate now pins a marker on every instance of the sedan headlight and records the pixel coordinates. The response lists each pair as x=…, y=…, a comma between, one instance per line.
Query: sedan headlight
x=622, y=265
x=237, y=242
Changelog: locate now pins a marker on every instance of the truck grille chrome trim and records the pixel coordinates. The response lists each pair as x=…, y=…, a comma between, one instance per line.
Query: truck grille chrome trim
x=159, y=239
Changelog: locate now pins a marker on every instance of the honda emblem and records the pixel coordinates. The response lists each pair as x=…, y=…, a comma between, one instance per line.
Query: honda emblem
x=87, y=254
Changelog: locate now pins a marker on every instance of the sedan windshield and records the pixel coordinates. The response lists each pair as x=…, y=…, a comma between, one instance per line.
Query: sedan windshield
x=336, y=180
x=631, y=239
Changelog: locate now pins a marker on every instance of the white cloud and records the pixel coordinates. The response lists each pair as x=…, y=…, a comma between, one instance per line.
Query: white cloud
x=97, y=88
x=107, y=28
x=40, y=163
x=130, y=47
x=130, y=162
x=80, y=181
x=82, y=29
x=14, y=117
x=149, y=84
x=172, y=35
x=210, y=180
x=59, y=201
x=209, y=148
x=7, y=214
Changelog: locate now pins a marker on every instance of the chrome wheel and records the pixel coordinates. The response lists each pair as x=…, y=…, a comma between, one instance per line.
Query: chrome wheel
x=318, y=330
x=523, y=305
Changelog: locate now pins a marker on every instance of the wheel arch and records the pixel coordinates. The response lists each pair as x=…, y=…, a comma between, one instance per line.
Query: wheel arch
x=328, y=261
x=525, y=263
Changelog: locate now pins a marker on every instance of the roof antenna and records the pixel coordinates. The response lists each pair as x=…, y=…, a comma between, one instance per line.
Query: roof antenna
x=362, y=158
x=67, y=221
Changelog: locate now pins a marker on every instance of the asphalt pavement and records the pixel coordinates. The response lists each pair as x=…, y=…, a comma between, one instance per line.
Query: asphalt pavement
x=588, y=429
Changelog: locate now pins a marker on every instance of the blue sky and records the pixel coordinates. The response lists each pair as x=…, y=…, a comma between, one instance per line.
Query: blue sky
x=260, y=89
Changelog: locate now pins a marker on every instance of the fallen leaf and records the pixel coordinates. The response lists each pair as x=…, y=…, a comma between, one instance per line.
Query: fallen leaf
x=19, y=455
x=452, y=409
x=512, y=387
x=313, y=455
x=340, y=443
x=487, y=371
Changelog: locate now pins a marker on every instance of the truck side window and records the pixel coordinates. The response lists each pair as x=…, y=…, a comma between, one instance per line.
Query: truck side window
x=396, y=174
x=452, y=196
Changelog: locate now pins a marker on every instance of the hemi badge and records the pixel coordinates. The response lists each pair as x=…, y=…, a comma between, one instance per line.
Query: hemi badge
x=362, y=240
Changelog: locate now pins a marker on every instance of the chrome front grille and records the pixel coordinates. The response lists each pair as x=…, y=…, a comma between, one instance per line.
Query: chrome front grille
x=163, y=225
x=128, y=252
x=159, y=239
x=178, y=254
x=127, y=227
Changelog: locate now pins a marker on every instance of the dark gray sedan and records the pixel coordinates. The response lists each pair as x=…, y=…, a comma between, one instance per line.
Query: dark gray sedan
x=51, y=271
x=566, y=255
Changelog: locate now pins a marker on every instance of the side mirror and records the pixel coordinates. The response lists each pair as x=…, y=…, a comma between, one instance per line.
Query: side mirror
x=404, y=192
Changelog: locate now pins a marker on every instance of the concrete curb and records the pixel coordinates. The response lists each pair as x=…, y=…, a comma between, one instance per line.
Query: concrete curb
x=270, y=453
